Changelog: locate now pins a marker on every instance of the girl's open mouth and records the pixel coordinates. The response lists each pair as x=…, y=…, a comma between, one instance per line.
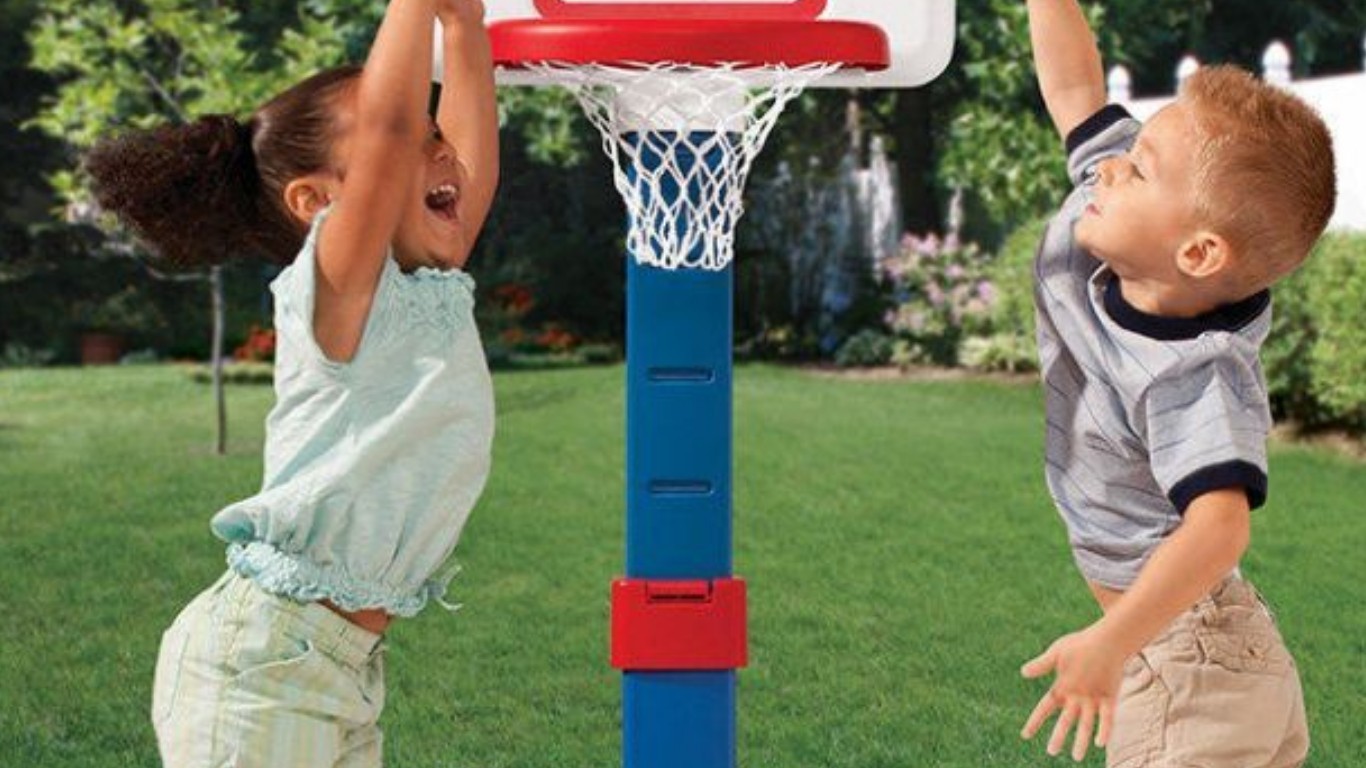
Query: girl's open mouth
x=443, y=200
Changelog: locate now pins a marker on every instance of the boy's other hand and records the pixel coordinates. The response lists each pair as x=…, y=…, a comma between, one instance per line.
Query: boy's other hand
x=1089, y=673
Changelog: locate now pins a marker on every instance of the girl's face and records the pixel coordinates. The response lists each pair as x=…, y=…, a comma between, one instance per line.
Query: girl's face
x=432, y=229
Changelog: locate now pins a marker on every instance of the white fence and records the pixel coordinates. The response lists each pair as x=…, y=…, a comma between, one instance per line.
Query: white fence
x=1340, y=99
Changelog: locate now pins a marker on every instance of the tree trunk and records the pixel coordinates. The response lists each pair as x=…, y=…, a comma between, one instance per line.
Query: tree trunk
x=915, y=161
x=219, y=320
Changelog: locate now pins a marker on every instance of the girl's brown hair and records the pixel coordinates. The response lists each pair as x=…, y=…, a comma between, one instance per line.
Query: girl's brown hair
x=212, y=190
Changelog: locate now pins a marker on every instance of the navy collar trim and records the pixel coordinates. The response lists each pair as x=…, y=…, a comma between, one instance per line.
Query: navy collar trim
x=1230, y=317
x=1095, y=125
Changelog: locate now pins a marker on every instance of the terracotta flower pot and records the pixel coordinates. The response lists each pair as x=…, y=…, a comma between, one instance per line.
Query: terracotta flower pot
x=101, y=348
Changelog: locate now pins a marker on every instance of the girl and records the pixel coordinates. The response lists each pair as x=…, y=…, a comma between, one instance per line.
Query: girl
x=379, y=443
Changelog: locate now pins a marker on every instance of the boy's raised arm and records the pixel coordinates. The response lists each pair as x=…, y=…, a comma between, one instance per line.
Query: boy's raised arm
x=1067, y=62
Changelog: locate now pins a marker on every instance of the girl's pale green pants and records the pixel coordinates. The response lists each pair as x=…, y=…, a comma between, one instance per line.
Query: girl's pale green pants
x=246, y=679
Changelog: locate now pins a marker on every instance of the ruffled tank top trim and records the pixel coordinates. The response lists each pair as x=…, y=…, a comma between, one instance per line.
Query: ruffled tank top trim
x=432, y=273
x=305, y=581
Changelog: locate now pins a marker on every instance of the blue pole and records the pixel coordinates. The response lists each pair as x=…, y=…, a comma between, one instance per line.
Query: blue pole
x=678, y=478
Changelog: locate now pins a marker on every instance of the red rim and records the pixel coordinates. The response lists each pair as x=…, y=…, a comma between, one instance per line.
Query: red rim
x=793, y=9
x=706, y=42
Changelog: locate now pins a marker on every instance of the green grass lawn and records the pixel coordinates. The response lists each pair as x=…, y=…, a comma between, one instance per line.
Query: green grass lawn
x=901, y=552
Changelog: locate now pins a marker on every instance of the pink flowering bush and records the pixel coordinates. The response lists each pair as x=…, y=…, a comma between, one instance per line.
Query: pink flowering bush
x=940, y=294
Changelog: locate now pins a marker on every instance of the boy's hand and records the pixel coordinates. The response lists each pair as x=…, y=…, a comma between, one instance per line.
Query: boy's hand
x=1089, y=673
x=460, y=12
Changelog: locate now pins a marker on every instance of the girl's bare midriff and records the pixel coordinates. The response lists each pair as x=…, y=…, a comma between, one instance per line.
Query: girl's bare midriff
x=371, y=619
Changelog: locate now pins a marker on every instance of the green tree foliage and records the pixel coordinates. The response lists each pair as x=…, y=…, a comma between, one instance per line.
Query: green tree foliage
x=121, y=66
x=166, y=61
x=24, y=194
x=1325, y=35
x=105, y=65
x=999, y=146
x=549, y=125
x=557, y=226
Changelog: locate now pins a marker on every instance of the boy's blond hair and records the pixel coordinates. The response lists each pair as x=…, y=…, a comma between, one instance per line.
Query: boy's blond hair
x=1265, y=179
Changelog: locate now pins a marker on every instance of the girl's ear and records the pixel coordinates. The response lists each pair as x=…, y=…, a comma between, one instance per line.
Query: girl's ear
x=1205, y=255
x=307, y=195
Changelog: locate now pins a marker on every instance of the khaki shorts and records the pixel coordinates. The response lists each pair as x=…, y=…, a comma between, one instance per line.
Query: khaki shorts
x=1217, y=689
x=246, y=679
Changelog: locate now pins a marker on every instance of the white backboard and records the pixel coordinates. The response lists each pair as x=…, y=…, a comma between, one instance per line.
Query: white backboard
x=920, y=32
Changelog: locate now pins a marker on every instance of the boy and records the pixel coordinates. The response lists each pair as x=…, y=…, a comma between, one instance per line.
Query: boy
x=1152, y=300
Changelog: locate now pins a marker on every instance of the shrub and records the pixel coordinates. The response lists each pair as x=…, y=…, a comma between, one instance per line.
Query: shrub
x=497, y=354
x=940, y=293
x=1315, y=358
x=1009, y=344
x=1286, y=355
x=782, y=342
x=1336, y=292
x=16, y=355
x=145, y=356
x=866, y=348
x=1006, y=352
x=599, y=354
x=235, y=373
x=1013, y=275
x=98, y=286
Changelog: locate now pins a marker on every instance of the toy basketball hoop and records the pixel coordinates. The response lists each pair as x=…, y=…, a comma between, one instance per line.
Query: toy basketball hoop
x=684, y=95
x=684, y=107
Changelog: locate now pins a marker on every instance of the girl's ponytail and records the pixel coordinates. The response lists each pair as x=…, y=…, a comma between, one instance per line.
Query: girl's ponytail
x=212, y=191
x=189, y=192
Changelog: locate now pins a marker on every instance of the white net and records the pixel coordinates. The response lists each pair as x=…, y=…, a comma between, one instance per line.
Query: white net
x=682, y=139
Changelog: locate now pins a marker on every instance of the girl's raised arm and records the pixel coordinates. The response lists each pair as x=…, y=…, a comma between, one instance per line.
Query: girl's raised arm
x=383, y=139
x=468, y=113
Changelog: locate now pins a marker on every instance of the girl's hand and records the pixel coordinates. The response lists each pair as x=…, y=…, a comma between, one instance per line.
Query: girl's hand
x=460, y=12
x=1089, y=673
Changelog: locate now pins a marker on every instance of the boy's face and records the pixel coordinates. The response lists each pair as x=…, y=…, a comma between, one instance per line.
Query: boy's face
x=1143, y=203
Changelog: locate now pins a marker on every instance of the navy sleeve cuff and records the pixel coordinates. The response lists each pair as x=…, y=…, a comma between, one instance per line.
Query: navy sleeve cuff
x=1094, y=125
x=1230, y=474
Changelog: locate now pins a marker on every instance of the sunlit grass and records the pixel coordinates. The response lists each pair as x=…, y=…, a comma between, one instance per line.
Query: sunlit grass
x=902, y=556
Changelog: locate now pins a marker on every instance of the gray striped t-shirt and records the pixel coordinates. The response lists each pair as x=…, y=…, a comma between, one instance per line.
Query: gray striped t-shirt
x=1145, y=413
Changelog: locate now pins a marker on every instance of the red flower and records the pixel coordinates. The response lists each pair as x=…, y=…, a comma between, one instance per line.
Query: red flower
x=259, y=346
x=556, y=339
x=514, y=297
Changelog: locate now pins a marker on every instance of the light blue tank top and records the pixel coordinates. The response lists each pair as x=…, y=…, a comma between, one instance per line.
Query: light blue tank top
x=373, y=465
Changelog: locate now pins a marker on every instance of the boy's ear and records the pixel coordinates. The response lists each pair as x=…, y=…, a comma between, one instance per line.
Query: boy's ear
x=307, y=195
x=1205, y=255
